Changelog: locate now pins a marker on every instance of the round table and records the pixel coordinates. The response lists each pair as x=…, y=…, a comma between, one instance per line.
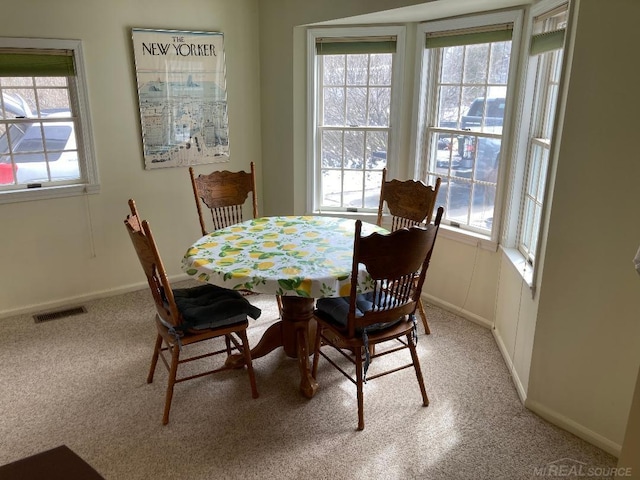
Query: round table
x=299, y=258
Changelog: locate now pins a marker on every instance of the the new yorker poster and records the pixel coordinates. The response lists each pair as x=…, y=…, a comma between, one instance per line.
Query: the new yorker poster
x=182, y=97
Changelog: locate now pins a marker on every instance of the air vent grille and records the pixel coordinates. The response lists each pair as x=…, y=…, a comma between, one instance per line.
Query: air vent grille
x=68, y=312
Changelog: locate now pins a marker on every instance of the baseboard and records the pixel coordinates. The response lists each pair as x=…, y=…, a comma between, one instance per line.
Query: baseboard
x=574, y=427
x=537, y=408
x=79, y=299
x=472, y=317
x=522, y=393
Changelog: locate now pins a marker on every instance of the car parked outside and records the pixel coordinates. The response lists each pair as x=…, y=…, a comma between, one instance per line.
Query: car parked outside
x=28, y=142
x=476, y=117
x=6, y=174
x=13, y=106
x=483, y=151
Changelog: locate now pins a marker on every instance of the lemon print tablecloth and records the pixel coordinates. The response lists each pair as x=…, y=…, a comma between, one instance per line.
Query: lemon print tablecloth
x=304, y=256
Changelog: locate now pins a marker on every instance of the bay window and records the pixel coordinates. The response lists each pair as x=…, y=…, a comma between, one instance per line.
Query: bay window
x=481, y=119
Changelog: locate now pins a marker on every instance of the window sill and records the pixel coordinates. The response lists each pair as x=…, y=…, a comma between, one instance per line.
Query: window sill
x=468, y=238
x=45, y=193
x=446, y=231
x=520, y=264
x=368, y=217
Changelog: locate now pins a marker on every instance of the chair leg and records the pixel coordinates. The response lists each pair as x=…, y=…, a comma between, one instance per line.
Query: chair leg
x=423, y=315
x=227, y=341
x=279, y=301
x=416, y=366
x=359, y=382
x=175, y=359
x=154, y=359
x=249, y=363
x=316, y=352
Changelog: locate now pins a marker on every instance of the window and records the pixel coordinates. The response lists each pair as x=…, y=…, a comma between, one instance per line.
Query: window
x=467, y=73
x=354, y=92
x=546, y=52
x=44, y=122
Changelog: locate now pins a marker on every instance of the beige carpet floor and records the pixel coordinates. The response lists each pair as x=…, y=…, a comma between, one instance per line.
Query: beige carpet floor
x=81, y=381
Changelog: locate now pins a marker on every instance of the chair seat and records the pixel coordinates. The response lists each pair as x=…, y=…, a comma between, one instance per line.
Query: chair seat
x=209, y=306
x=336, y=311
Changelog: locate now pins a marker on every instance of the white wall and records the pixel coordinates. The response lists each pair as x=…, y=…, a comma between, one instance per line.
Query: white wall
x=573, y=349
x=515, y=323
x=56, y=250
x=587, y=340
x=463, y=278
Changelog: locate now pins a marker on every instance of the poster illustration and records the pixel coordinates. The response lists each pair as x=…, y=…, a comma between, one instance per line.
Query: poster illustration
x=182, y=97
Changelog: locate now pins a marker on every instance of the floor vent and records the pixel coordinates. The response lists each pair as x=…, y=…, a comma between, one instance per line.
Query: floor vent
x=45, y=317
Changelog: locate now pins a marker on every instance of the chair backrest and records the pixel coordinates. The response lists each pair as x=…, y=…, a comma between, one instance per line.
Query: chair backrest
x=410, y=202
x=394, y=261
x=145, y=246
x=224, y=194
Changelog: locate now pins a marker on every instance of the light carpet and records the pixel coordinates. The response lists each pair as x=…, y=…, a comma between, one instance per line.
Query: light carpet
x=81, y=381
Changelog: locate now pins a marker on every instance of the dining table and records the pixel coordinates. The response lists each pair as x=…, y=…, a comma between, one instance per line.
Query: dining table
x=299, y=258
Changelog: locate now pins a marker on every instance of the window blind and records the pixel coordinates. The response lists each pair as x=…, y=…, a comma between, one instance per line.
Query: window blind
x=36, y=63
x=547, y=41
x=354, y=45
x=455, y=38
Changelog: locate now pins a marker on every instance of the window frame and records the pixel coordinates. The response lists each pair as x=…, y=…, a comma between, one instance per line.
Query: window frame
x=523, y=128
x=313, y=102
x=539, y=68
x=89, y=181
x=426, y=105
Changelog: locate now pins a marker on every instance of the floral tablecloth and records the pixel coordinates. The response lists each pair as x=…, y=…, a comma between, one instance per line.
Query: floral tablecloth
x=305, y=256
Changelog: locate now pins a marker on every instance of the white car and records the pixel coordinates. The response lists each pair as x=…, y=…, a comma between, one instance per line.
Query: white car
x=28, y=149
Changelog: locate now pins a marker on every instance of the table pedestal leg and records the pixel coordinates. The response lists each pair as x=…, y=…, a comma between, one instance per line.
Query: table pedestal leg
x=297, y=312
x=293, y=333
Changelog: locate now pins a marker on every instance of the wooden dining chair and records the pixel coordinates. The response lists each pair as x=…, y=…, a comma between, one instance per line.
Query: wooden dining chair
x=387, y=314
x=224, y=193
x=409, y=203
x=189, y=315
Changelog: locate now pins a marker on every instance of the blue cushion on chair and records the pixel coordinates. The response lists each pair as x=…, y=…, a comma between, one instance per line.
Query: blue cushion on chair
x=337, y=309
x=209, y=306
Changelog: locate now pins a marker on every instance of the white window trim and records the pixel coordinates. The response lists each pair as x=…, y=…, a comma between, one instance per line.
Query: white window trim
x=468, y=237
x=313, y=166
x=90, y=183
x=420, y=112
x=530, y=274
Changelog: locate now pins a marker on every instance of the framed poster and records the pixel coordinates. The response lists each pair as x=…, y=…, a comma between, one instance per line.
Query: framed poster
x=182, y=97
